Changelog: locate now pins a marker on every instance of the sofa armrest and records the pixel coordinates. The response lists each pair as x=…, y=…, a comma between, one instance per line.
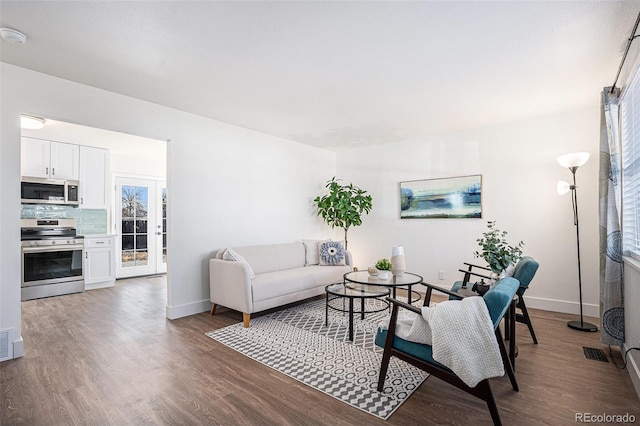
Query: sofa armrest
x=348, y=258
x=230, y=285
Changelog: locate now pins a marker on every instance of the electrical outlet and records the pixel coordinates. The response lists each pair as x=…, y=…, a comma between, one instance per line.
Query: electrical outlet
x=441, y=275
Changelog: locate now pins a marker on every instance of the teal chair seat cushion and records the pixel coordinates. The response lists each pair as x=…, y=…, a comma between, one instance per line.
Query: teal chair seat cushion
x=418, y=350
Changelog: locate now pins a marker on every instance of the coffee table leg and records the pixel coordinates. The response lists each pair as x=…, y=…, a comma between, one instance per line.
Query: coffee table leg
x=326, y=311
x=362, y=308
x=410, y=296
x=351, y=318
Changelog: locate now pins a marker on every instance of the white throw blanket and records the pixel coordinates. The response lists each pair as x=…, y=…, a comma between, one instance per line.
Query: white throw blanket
x=462, y=337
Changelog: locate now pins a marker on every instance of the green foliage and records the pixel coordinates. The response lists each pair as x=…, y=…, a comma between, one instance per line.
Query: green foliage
x=343, y=206
x=384, y=265
x=496, y=251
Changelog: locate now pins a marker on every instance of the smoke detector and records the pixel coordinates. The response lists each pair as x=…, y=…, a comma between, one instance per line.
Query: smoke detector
x=13, y=36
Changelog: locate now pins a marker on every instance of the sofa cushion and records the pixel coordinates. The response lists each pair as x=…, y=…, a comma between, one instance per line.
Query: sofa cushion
x=273, y=257
x=331, y=253
x=311, y=251
x=273, y=284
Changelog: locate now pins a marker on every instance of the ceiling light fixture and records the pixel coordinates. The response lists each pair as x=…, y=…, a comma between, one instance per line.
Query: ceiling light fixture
x=13, y=36
x=32, y=123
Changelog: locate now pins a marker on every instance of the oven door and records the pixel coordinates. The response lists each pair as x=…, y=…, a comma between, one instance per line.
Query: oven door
x=51, y=264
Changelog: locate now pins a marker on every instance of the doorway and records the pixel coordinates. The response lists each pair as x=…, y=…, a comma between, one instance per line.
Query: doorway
x=141, y=227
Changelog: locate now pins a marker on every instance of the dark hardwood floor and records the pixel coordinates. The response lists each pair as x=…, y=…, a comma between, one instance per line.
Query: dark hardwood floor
x=110, y=357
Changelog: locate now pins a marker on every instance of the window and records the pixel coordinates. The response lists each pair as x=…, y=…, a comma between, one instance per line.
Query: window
x=630, y=153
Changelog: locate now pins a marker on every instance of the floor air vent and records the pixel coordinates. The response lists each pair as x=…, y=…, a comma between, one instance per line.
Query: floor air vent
x=593, y=353
x=6, y=341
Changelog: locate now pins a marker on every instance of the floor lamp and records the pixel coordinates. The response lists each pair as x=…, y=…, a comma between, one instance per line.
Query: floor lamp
x=572, y=162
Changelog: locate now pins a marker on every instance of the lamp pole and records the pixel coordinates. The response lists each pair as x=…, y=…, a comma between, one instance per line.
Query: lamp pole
x=578, y=325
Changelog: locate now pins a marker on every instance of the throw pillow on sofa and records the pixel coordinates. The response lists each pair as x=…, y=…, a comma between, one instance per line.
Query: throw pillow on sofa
x=312, y=251
x=232, y=255
x=332, y=253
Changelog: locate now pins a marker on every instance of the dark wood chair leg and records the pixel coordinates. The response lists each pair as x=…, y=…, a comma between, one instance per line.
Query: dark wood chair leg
x=427, y=297
x=527, y=320
x=487, y=395
x=506, y=361
x=384, y=366
x=388, y=344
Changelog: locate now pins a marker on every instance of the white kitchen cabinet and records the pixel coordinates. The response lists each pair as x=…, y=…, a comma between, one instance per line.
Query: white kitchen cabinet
x=94, y=173
x=49, y=159
x=99, y=261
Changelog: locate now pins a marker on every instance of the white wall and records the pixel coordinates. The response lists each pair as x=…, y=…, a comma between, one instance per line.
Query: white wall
x=519, y=169
x=226, y=185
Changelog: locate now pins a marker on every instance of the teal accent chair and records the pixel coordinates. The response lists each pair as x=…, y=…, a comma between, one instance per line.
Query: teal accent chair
x=499, y=300
x=525, y=271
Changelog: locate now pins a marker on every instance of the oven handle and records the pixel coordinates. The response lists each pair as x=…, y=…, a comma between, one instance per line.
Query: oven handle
x=70, y=247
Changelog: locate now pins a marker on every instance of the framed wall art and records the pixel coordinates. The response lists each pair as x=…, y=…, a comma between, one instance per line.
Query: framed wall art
x=454, y=197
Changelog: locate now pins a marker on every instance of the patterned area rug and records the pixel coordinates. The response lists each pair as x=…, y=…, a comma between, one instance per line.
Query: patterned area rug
x=297, y=343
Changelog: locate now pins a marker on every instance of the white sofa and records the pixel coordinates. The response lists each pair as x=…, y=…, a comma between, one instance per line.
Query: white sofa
x=284, y=273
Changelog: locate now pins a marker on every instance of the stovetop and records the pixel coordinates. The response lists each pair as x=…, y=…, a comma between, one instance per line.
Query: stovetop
x=48, y=229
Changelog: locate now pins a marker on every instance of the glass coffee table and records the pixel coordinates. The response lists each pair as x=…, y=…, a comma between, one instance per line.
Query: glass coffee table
x=407, y=280
x=348, y=292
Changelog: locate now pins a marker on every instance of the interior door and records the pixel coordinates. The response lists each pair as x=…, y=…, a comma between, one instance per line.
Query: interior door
x=140, y=226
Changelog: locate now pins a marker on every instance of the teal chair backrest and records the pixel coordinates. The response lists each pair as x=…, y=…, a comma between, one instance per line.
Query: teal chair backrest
x=525, y=270
x=499, y=297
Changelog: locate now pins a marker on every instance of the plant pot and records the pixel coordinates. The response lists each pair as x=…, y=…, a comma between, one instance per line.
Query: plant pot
x=384, y=275
x=481, y=289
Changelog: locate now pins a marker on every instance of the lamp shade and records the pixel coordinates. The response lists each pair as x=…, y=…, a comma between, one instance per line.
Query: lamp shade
x=575, y=159
x=563, y=187
x=32, y=123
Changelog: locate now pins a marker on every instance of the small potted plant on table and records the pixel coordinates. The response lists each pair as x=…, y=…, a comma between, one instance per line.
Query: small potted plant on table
x=384, y=267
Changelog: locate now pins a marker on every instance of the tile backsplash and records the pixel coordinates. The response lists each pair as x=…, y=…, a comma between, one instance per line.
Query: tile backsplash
x=88, y=221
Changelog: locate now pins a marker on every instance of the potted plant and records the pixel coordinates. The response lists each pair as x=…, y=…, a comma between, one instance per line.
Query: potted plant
x=343, y=206
x=495, y=249
x=384, y=266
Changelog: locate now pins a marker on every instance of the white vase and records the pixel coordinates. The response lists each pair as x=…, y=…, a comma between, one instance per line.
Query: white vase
x=384, y=275
x=397, y=259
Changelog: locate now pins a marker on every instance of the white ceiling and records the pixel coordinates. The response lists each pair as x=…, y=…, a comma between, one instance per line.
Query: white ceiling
x=330, y=73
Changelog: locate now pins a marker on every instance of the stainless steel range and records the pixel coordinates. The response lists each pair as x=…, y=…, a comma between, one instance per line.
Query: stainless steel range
x=51, y=258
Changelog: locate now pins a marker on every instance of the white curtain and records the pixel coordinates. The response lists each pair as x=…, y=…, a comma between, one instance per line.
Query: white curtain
x=611, y=270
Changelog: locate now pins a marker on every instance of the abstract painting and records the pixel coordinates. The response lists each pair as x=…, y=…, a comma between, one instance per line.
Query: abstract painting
x=455, y=197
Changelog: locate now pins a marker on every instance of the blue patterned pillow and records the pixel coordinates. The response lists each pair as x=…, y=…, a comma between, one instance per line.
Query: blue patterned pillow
x=332, y=253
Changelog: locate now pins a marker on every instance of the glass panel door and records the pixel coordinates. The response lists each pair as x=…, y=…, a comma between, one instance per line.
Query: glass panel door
x=140, y=225
x=162, y=229
x=135, y=234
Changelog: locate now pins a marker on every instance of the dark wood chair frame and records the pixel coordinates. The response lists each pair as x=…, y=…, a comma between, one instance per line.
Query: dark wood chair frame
x=523, y=316
x=482, y=389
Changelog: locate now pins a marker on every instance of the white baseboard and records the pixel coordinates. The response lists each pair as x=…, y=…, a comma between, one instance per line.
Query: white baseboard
x=18, y=348
x=633, y=368
x=96, y=286
x=563, y=306
x=179, y=311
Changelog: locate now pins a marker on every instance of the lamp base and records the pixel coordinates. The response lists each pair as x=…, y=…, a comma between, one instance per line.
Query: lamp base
x=582, y=326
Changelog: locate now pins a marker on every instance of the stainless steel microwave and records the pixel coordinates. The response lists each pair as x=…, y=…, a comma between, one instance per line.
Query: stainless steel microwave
x=49, y=191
